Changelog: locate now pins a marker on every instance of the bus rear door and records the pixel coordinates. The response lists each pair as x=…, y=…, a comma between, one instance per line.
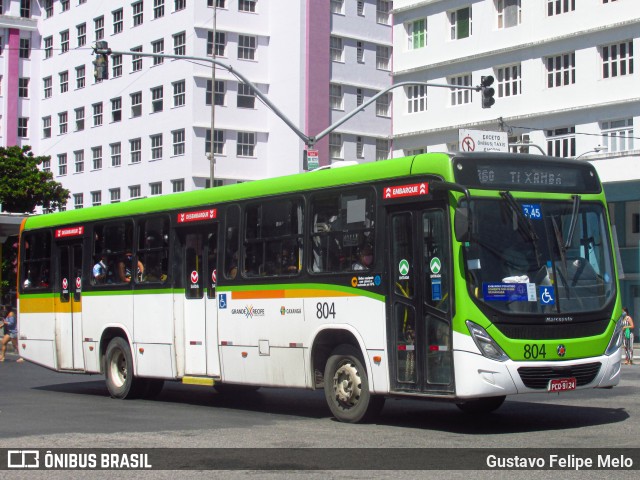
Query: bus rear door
x=421, y=357
x=199, y=272
x=69, y=306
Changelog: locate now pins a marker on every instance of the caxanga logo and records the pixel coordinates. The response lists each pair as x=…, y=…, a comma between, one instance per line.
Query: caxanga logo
x=290, y=311
x=249, y=311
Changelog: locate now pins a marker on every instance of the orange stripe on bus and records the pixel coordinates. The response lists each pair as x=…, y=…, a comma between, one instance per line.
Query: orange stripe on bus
x=47, y=305
x=294, y=293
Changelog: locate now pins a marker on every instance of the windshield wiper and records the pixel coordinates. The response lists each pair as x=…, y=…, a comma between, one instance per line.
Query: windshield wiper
x=574, y=221
x=524, y=222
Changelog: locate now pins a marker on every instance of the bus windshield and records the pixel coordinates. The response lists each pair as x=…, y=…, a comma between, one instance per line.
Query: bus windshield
x=539, y=257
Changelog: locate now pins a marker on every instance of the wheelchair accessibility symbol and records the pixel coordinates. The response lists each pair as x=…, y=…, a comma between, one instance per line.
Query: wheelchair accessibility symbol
x=547, y=295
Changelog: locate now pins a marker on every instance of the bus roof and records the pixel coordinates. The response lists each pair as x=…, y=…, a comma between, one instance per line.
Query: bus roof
x=430, y=163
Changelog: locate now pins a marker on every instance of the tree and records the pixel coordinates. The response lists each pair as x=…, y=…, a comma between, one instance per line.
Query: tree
x=23, y=186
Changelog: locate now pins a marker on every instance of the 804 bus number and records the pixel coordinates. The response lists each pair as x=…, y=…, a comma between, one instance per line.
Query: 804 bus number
x=534, y=351
x=325, y=310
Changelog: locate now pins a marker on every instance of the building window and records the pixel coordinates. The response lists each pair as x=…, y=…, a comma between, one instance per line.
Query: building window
x=246, y=47
x=64, y=41
x=96, y=198
x=80, y=75
x=114, y=193
x=23, y=87
x=62, y=164
x=247, y=6
x=337, y=6
x=617, y=59
x=62, y=122
x=66, y=5
x=383, y=10
x=46, y=165
x=383, y=58
x=561, y=142
x=617, y=135
x=220, y=43
x=359, y=148
x=335, y=145
x=383, y=105
x=117, y=65
x=25, y=8
x=48, y=47
x=64, y=82
x=460, y=23
x=156, y=147
x=158, y=47
x=96, y=155
x=180, y=5
x=98, y=26
x=136, y=104
x=335, y=96
x=360, y=52
x=178, y=185
x=79, y=157
x=116, y=109
x=136, y=60
x=509, y=81
x=337, y=49
x=359, y=97
x=179, y=43
x=46, y=127
x=246, y=97
x=135, y=147
x=117, y=21
x=48, y=8
x=557, y=7
x=23, y=127
x=178, y=142
x=48, y=87
x=246, y=144
x=137, y=13
x=79, y=119
x=155, y=188
x=382, y=148
x=561, y=70
x=116, y=154
x=417, y=34
x=97, y=114
x=82, y=34
x=135, y=191
x=218, y=142
x=158, y=8
x=179, y=94
x=416, y=98
x=25, y=48
x=157, y=102
x=460, y=96
x=360, y=8
x=78, y=200
x=509, y=13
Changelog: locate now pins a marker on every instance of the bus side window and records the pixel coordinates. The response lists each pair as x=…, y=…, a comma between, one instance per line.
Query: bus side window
x=36, y=260
x=231, y=242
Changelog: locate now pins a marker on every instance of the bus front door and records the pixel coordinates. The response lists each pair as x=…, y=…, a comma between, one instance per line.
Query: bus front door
x=421, y=357
x=200, y=308
x=69, y=308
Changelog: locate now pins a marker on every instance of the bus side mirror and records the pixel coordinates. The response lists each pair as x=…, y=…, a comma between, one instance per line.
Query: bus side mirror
x=461, y=224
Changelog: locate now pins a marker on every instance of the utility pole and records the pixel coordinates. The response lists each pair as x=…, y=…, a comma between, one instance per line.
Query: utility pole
x=212, y=157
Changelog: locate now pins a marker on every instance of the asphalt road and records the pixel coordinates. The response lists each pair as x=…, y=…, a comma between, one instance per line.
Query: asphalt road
x=44, y=409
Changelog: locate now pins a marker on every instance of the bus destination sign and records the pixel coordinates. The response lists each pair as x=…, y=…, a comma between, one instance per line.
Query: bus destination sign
x=400, y=191
x=197, y=216
x=70, y=232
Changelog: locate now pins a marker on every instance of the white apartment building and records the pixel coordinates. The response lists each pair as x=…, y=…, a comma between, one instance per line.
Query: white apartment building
x=146, y=130
x=565, y=81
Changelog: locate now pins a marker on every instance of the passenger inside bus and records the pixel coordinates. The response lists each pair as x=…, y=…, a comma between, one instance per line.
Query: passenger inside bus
x=365, y=258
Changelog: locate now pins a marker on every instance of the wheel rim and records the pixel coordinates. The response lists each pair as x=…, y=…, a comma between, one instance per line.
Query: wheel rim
x=347, y=384
x=118, y=368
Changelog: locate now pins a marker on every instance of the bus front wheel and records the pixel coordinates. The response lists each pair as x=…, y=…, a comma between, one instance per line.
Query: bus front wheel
x=346, y=387
x=118, y=371
x=482, y=405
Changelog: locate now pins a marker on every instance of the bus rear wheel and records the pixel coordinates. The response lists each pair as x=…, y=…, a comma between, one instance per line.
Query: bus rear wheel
x=346, y=387
x=482, y=405
x=118, y=371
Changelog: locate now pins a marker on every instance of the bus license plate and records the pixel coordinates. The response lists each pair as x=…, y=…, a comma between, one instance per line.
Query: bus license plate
x=561, y=384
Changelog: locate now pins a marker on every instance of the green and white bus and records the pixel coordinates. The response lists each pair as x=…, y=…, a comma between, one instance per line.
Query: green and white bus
x=459, y=277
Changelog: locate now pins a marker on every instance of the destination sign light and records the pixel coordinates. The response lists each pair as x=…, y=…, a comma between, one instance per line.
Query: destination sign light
x=70, y=232
x=197, y=216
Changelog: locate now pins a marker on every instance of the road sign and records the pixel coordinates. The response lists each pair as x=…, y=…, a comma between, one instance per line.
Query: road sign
x=313, y=159
x=483, y=141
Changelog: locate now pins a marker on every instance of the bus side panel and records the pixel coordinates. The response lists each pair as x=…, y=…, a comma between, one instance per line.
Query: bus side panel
x=264, y=365
x=36, y=326
x=153, y=318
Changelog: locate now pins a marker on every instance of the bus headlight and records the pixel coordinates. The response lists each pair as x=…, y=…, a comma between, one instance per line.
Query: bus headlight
x=485, y=343
x=616, y=339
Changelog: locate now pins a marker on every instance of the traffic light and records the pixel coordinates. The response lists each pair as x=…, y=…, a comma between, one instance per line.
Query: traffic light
x=487, y=91
x=101, y=63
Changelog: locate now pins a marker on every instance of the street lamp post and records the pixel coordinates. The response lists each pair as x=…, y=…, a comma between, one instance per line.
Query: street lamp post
x=212, y=158
x=596, y=149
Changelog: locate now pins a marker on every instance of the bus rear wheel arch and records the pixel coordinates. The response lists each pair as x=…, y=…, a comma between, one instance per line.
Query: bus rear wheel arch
x=118, y=372
x=346, y=386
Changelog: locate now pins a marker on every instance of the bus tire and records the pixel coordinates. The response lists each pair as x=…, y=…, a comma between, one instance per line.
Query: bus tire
x=482, y=405
x=118, y=371
x=346, y=387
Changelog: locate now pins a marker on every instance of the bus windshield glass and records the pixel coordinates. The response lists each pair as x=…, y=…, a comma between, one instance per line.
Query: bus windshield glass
x=539, y=257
